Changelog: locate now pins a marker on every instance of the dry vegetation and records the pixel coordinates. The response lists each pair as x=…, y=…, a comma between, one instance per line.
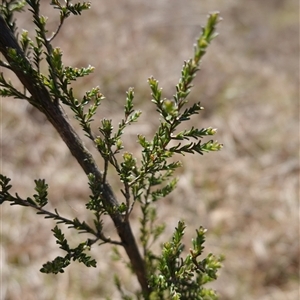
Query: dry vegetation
x=246, y=195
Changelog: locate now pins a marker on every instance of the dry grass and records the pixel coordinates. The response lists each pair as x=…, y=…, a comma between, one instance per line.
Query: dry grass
x=246, y=195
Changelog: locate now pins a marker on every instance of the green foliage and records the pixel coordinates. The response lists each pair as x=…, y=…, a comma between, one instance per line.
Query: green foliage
x=7, y=10
x=183, y=278
x=144, y=182
x=59, y=263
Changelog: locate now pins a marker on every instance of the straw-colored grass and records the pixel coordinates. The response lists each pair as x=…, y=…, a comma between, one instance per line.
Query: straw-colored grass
x=246, y=195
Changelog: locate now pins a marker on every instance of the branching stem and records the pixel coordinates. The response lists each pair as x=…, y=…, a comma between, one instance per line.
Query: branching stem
x=42, y=100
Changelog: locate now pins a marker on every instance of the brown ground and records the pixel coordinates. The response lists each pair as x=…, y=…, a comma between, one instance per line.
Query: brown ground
x=246, y=195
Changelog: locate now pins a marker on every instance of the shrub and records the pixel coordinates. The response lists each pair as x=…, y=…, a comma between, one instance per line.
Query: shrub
x=143, y=182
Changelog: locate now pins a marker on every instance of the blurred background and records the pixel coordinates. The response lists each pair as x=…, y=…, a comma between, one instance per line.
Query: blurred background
x=245, y=195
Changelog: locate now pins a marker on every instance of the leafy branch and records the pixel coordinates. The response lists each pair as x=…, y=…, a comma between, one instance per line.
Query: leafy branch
x=183, y=278
x=143, y=181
